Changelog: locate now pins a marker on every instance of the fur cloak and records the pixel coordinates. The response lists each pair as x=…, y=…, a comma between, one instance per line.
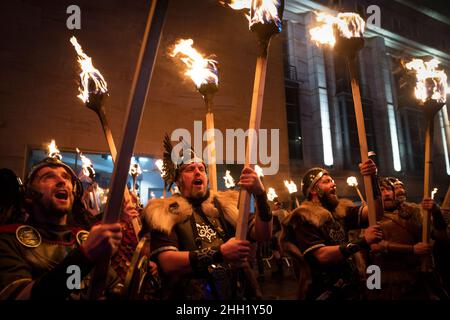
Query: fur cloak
x=164, y=214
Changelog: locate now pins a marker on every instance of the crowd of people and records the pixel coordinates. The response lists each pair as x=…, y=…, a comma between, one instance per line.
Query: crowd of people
x=47, y=228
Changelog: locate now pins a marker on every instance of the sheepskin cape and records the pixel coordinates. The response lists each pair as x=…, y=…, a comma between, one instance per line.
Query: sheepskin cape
x=164, y=214
x=317, y=215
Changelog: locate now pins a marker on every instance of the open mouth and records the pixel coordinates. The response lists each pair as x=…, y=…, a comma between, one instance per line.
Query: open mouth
x=62, y=195
x=198, y=182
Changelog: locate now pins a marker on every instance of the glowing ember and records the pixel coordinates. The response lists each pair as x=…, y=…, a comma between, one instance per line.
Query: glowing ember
x=159, y=164
x=352, y=182
x=431, y=84
x=53, y=151
x=200, y=69
x=271, y=194
x=259, y=171
x=291, y=186
x=433, y=193
x=229, y=181
x=88, y=167
x=259, y=11
x=135, y=169
x=348, y=24
x=92, y=80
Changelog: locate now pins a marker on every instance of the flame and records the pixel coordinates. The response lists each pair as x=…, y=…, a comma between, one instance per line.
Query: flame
x=176, y=190
x=159, y=164
x=433, y=193
x=229, y=181
x=352, y=182
x=349, y=25
x=53, y=151
x=103, y=195
x=259, y=11
x=259, y=171
x=88, y=72
x=291, y=186
x=201, y=70
x=135, y=169
x=87, y=166
x=271, y=194
x=431, y=83
x=152, y=195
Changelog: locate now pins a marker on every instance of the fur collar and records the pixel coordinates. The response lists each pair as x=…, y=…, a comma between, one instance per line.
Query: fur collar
x=164, y=214
x=318, y=215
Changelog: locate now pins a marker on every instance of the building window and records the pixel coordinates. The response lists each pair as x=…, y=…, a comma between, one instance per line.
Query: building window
x=293, y=120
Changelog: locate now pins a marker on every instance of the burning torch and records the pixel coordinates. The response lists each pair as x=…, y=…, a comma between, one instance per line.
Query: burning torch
x=292, y=187
x=229, y=180
x=345, y=33
x=265, y=20
x=139, y=89
x=352, y=182
x=87, y=175
x=203, y=72
x=431, y=94
x=135, y=172
x=271, y=194
x=53, y=151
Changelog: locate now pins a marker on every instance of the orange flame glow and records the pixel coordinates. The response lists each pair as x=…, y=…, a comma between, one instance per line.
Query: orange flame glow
x=271, y=194
x=200, y=69
x=87, y=166
x=135, y=169
x=352, y=182
x=259, y=11
x=259, y=171
x=53, y=151
x=292, y=187
x=349, y=25
x=229, y=181
x=431, y=84
x=88, y=73
x=159, y=164
x=433, y=193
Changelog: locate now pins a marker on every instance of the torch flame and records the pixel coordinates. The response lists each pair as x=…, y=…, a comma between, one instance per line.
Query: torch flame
x=201, y=70
x=87, y=166
x=433, y=193
x=291, y=186
x=53, y=151
x=159, y=164
x=271, y=194
x=135, y=169
x=152, y=195
x=259, y=171
x=229, y=181
x=352, y=182
x=349, y=25
x=262, y=11
x=431, y=83
x=88, y=72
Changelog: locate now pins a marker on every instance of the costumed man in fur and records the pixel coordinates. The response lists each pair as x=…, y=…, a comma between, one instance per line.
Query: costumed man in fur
x=319, y=229
x=401, y=252
x=34, y=257
x=192, y=233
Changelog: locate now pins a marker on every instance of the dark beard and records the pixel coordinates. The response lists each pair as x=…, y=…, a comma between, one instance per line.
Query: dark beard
x=395, y=205
x=327, y=201
x=197, y=201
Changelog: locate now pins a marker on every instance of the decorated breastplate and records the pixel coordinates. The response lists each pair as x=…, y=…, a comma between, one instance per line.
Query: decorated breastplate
x=43, y=250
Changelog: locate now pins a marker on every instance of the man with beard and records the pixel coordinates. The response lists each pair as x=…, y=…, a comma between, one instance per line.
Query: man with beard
x=401, y=252
x=35, y=257
x=192, y=234
x=319, y=228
